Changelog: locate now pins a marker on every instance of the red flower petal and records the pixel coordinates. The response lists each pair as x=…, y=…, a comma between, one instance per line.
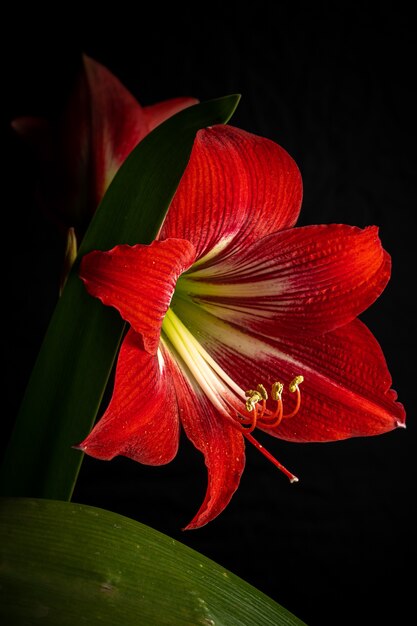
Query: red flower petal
x=299, y=282
x=346, y=389
x=138, y=281
x=155, y=114
x=117, y=123
x=237, y=186
x=80, y=153
x=141, y=421
x=222, y=445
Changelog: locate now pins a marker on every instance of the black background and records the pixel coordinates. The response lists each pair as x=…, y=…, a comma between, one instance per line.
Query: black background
x=334, y=86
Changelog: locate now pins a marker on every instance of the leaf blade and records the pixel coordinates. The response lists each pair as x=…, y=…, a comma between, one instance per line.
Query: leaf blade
x=119, y=571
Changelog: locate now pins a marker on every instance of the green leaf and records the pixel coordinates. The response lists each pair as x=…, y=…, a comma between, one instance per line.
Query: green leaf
x=66, y=564
x=69, y=378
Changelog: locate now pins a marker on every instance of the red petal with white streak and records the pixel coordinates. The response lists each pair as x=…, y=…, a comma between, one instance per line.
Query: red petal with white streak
x=138, y=281
x=222, y=445
x=78, y=154
x=141, y=421
x=117, y=123
x=346, y=389
x=298, y=282
x=237, y=186
x=157, y=113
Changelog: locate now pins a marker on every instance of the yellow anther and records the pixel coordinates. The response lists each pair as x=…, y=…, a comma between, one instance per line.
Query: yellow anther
x=261, y=389
x=276, y=391
x=293, y=386
x=269, y=417
x=249, y=405
x=253, y=399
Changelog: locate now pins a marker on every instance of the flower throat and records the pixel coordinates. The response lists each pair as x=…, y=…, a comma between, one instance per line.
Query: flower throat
x=244, y=410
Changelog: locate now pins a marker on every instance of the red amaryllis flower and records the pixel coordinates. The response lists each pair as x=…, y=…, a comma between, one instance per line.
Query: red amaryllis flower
x=229, y=309
x=79, y=153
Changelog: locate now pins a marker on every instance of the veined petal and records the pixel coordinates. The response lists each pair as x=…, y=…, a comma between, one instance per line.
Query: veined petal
x=303, y=281
x=117, y=123
x=138, y=281
x=78, y=154
x=349, y=385
x=141, y=421
x=236, y=188
x=221, y=444
x=157, y=113
x=346, y=389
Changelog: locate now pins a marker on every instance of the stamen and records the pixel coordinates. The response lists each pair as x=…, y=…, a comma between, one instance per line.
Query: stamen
x=253, y=398
x=271, y=419
x=293, y=387
x=261, y=389
x=276, y=391
x=276, y=416
x=295, y=382
x=251, y=406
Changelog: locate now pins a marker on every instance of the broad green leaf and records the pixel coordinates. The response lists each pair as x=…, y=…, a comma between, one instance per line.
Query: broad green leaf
x=69, y=378
x=66, y=564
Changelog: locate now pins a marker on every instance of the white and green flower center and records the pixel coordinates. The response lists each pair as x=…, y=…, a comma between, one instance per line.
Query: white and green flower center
x=243, y=409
